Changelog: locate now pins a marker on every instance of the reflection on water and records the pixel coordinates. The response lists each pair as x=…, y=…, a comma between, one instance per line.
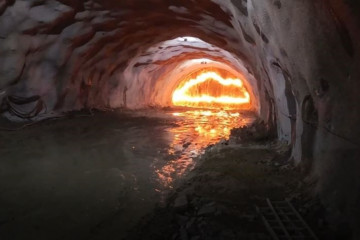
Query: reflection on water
x=109, y=168
x=195, y=130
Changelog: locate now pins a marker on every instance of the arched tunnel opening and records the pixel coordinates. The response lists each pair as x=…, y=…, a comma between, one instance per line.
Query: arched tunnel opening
x=159, y=119
x=208, y=89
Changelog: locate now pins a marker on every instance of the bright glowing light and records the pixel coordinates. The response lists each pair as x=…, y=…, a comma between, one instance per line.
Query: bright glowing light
x=217, y=91
x=199, y=128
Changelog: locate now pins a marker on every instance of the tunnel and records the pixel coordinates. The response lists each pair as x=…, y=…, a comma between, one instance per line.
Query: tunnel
x=169, y=119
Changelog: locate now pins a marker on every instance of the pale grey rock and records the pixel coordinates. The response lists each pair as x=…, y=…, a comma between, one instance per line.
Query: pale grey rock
x=85, y=15
x=49, y=12
x=11, y=66
x=13, y=17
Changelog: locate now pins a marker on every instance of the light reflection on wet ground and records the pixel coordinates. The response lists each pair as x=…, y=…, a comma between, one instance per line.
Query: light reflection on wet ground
x=195, y=130
x=81, y=177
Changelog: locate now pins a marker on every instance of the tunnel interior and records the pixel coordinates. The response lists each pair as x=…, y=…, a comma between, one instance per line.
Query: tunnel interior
x=100, y=83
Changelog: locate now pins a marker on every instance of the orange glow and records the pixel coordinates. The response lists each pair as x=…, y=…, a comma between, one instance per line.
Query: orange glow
x=209, y=89
x=195, y=130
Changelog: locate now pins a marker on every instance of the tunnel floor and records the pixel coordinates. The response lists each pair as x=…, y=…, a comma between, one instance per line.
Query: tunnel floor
x=137, y=175
x=217, y=200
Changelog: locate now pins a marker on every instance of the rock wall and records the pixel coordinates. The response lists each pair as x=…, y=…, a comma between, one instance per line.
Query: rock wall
x=300, y=59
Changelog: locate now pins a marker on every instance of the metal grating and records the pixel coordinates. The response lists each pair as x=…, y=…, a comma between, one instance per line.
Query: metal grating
x=283, y=221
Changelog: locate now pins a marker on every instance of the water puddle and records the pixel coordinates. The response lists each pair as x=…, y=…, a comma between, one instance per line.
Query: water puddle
x=194, y=131
x=110, y=168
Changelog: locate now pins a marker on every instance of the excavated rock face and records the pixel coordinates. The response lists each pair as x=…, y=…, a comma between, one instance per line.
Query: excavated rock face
x=300, y=59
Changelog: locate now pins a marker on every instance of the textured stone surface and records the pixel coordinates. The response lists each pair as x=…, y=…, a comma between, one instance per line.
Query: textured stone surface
x=301, y=59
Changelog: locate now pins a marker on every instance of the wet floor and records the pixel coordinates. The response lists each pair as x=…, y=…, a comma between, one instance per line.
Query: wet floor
x=94, y=177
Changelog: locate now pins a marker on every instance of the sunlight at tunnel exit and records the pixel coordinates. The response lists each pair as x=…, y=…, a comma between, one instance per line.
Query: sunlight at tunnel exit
x=211, y=90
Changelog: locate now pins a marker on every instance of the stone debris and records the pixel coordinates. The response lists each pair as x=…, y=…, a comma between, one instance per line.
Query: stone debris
x=207, y=210
x=181, y=203
x=217, y=200
x=257, y=131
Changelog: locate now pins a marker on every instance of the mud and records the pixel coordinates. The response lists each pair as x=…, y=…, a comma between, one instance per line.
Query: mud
x=145, y=175
x=93, y=175
x=218, y=198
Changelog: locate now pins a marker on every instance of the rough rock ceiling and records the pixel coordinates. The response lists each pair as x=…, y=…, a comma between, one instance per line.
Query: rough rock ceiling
x=301, y=57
